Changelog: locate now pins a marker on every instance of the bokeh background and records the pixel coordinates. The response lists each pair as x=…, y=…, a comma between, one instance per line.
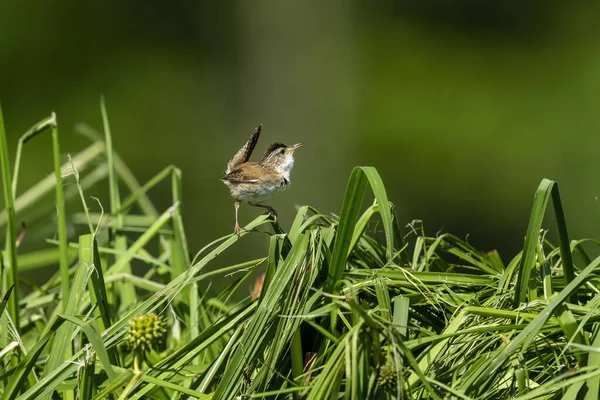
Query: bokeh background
x=463, y=106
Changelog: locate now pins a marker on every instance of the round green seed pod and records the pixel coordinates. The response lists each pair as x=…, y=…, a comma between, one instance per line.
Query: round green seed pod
x=387, y=377
x=146, y=332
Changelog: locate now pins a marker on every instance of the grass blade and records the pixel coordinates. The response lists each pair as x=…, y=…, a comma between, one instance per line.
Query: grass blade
x=526, y=283
x=126, y=291
x=401, y=310
x=45, y=124
x=355, y=191
x=86, y=381
x=96, y=341
x=61, y=219
x=5, y=299
x=10, y=261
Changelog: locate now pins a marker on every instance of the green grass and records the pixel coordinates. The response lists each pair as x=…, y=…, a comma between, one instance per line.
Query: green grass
x=354, y=306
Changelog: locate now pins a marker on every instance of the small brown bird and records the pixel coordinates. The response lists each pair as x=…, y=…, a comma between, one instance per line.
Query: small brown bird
x=255, y=182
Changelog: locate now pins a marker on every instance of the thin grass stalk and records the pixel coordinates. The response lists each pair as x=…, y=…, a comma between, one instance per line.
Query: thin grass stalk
x=4, y=322
x=351, y=362
x=383, y=298
x=61, y=220
x=593, y=384
x=194, y=306
x=297, y=357
x=86, y=380
x=399, y=238
x=12, y=272
x=98, y=295
x=546, y=273
x=46, y=123
x=86, y=209
x=563, y=238
x=178, y=230
x=6, y=296
x=180, y=257
x=126, y=291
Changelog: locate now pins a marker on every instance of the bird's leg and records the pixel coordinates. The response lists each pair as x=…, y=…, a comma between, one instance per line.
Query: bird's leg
x=237, y=228
x=272, y=211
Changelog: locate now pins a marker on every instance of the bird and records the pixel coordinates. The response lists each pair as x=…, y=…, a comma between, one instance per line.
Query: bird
x=256, y=182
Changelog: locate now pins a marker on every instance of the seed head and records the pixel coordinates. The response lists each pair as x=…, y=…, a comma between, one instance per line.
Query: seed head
x=146, y=332
x=387, y=377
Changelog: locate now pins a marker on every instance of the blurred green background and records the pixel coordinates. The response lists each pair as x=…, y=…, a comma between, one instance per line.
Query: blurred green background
x=463, y=106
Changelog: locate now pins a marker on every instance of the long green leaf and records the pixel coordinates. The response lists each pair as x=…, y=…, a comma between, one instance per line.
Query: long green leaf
x=5, y=299
x=355, y=191
x=126, y=292
x=42, y=126
x=12, y=275
x=94, y=337
x=61, y=219
x=526, y=282
x=98, y=295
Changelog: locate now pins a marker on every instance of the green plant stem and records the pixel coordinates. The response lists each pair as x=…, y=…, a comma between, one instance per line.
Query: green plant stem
x=61, y=216
x=12, y=277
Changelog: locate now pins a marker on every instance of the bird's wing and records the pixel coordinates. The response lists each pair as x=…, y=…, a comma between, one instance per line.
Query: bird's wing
x=245, y=152
x=249, y=172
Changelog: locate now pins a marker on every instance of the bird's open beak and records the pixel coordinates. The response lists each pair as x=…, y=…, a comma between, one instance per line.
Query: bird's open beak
x=297, y=146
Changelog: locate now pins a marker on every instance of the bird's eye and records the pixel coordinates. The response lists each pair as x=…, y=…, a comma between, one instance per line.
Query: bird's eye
x=281, y=151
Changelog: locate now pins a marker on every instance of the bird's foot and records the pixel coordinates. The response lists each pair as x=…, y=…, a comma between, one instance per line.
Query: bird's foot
x=237, y=229
x=273, y=214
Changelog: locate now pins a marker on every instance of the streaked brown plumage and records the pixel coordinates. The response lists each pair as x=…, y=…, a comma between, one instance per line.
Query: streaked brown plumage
x=257, y=181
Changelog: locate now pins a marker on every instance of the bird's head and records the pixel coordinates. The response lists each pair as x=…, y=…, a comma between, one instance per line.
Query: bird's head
x=280, y=158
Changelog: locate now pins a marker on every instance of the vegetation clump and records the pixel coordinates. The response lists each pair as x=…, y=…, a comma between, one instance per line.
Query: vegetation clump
x=355, y=306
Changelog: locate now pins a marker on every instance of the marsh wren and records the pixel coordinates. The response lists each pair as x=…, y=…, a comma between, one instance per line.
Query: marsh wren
x=255, y=182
